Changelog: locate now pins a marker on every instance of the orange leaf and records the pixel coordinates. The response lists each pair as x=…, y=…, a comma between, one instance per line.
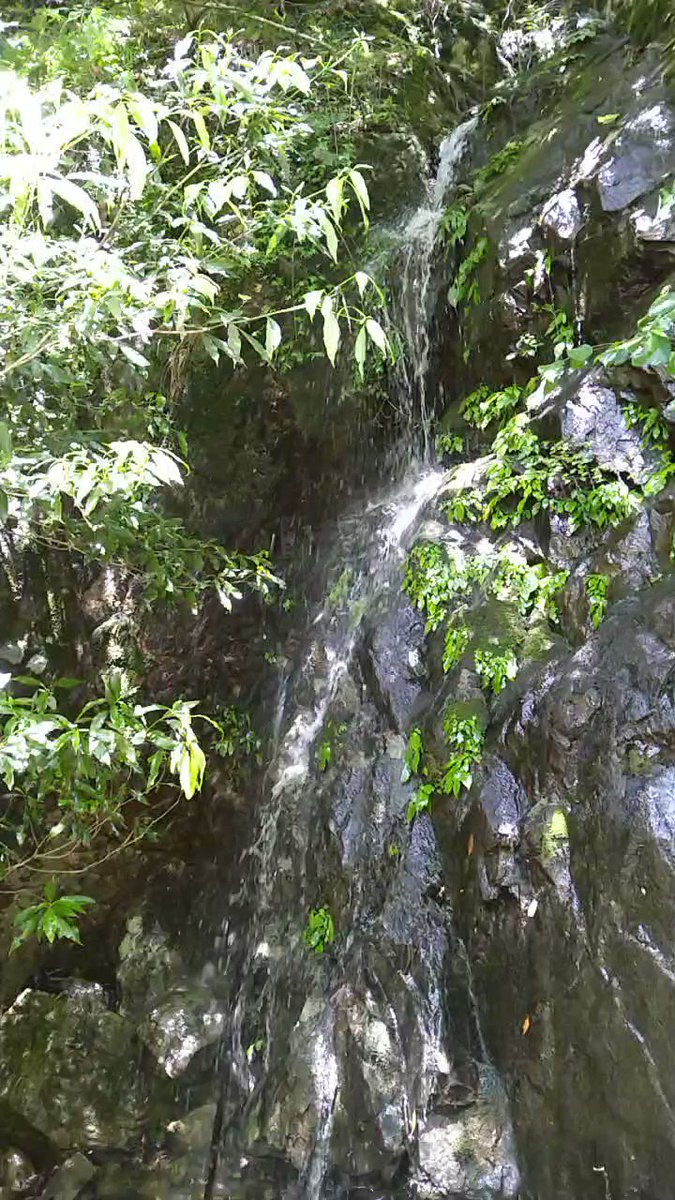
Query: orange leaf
x=526, y=1026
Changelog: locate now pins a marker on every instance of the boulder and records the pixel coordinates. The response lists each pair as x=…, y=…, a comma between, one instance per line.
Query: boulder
x=587, y=414
x=577, y=1001
x=184, y=1023
x=395, y=656
x=148, y=967
x=69, y=1070
x=69, y=1181
x=469, y=1155
x=562, y=215
x=16, y=1171
x=641, y=157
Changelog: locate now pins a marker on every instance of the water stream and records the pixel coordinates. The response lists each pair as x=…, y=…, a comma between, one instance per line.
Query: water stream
x=369, y=1013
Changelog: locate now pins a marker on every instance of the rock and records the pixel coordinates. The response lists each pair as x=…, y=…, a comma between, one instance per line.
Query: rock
x=148, y=967
x=669, y=412
x=470, y=1155
x=642, y=156
x=395, y=658
x=37, y=664
x=588, y=978
x=656, y=227
x=13, y=652
x=562, y=216
x=70, y=1179
x=517, y=249
x=16, y=1170
x=68, y=1070
x=194, y=1131
x=588, y=415
x=311, y=1091
x=186, y=1022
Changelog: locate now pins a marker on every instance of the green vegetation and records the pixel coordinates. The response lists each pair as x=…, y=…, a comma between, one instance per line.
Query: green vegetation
x=449, y=444
x=483, y=407
x=499, y=163
x=464, y=735
x=496, y=668
x=596, y=590
x=555, y=837
x=527, y=476
x=464, y=291
x=181, y=190
x=320, y=931
x=54, y=918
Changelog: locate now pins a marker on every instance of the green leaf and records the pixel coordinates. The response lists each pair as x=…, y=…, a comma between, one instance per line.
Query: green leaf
x=360, y=350
x=137, y=167
x=142, y=110
x=272, y=336
x=361, y=191
x=329, y=234
x=76, y=196
x=202, y=131
x=334, y=189
x=265, y=181
x=311, y=301
x=377, y=334
x=330, y=334
x=580, y=355
x=181, y=141
x=133, y=355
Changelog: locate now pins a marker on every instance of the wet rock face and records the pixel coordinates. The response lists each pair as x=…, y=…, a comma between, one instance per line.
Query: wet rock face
x=572, y=954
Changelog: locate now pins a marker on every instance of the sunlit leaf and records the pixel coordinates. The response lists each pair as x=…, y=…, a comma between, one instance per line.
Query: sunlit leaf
x=311, y=301
x=181, y=141
x=272, y=336
x=377, y=335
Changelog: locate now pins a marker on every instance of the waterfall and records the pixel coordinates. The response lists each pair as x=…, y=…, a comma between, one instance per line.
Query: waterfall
x=371, y=1007
x=416, y=297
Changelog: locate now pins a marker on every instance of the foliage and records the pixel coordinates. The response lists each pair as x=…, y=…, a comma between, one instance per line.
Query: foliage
x=650, y=422
x=465, y=290
x=413, y=755
x=454, y=225
x=235, y=736
x=651, y=346
x=431, y=581
x=436, y=575
x=499, y=163
x=483, y=407
x=71, y=780
x=528, y=476
x=320, y=931
x=421, y=801
x=456, y=641
x=55, y=917
x=496, y=667
x=555, y=836
x=449, y=444
x=327, y=746
x=596, y=590
x=464, y=735
x=168, y=198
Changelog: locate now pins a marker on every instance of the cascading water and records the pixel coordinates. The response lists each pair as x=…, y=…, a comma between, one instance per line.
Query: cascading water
x=417, y=298
x=332, y=1061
